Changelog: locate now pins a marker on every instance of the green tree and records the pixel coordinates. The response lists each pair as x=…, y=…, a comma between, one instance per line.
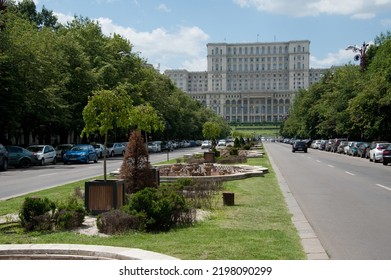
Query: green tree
x=105, y=110
x=211, y=131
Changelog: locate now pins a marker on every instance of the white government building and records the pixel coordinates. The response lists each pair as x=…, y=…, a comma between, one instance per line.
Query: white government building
x=250, y=82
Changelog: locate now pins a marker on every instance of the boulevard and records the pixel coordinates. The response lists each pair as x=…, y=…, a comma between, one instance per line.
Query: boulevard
x=16, y=182
x=346, y=200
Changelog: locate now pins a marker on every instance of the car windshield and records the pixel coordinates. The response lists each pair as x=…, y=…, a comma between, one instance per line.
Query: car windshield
x=35, y=149
x=63, y=147
x=79, y=148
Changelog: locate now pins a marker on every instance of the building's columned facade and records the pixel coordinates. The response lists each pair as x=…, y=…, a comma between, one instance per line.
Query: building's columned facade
x=253, y=82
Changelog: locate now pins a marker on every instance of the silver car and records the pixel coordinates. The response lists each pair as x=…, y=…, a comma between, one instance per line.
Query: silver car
x=43, y=153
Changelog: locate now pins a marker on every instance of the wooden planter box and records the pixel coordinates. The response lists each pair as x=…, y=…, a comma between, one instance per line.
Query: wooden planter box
x=209, y=157
x=228, y=198
x=102, y=196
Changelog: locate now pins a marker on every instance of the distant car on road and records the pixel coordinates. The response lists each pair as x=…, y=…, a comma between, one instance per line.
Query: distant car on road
x=20, y=157
x=3, y=158
x=44, y=153
x=83, y=153
x=299, y=146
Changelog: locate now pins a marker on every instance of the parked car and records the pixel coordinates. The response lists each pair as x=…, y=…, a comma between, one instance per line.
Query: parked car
x=3, y=158
x=100, y=150
x=61, y=149
x=44, y=153
x=336, y=143
x=299, y=146
x=329, y=145
x=362, y=149
x=221, y=144
x=341, y=146
x=353, y=149
x=116, y=149
x=376, y=153
x=20, y=157
x=347, y=147
x=387, y=155
x=206, y=144
x=83, y=153
x=154, y=147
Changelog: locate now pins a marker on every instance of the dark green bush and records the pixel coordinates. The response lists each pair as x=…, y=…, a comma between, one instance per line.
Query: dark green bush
x=247, y=147
x=117, y=221
x=234, y=151
x=37, y=214
x=163, y=208
x=70, y=214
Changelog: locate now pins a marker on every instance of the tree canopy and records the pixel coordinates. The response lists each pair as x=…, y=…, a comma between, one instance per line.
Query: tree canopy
x=347, y=102
x=49, y=71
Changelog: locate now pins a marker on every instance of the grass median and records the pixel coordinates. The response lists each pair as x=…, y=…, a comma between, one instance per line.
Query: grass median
x=257, y=227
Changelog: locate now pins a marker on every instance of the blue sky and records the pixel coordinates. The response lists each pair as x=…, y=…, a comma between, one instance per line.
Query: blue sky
x=173, y=34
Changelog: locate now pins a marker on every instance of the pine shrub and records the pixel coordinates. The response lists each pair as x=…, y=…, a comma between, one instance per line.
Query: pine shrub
x=136, y=168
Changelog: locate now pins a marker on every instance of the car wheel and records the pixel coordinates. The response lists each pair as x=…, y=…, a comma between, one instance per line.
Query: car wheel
x=123, y=153
x=385, y=163
x=96, y=159
x=54, y=161
x=42, y=162
x=112, y=154
x=88, y=160
x=25, y=163
x=4, y=167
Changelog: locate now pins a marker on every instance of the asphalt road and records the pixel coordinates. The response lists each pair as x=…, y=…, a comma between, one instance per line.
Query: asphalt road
x=346, y=200
x=16, y=181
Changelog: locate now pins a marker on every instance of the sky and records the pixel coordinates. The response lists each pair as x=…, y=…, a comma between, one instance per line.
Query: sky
x=173, y=34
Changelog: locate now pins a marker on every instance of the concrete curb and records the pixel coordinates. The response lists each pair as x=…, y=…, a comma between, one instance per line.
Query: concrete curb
x=75, y=252
x=310, y=242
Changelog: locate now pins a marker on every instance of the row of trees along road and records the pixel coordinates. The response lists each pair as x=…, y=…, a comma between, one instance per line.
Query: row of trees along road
x=349, y=101
x=48, y=72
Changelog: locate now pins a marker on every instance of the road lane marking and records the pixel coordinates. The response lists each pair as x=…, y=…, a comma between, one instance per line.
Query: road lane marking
x=329, y=165
x=384, y=187
x=49, y=174
x=318, y=161
x=352, y=174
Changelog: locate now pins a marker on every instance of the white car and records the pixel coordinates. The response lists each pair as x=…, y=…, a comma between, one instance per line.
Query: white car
x=43, y=153
x=206, y=144
x=376, y=154
x=154, y=147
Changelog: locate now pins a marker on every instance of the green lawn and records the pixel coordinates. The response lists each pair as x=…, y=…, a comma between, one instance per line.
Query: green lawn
x=257, y=227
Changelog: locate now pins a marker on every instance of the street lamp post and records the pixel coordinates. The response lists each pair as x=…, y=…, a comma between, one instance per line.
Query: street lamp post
x=361, y=54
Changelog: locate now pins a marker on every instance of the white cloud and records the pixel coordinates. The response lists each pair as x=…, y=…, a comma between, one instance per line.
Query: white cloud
x=163, y=8
x=359, y=9
x=184, y=47
x=339, y=58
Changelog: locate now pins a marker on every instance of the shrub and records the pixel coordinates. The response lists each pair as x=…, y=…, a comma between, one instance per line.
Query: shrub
x=136, y=169
x=37, y=214
x=117, y=221
x=162, y=207
x=70, y=214
x=203, y=194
